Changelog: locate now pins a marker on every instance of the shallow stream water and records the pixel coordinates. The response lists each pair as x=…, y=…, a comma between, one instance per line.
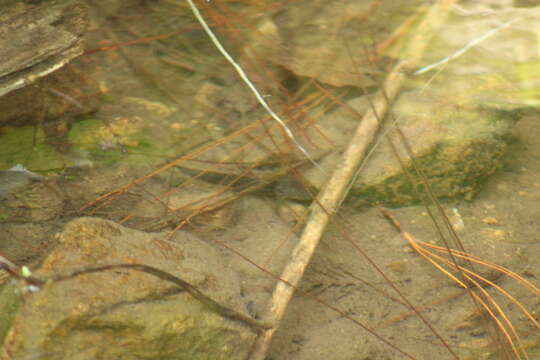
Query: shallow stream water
x=166, y=98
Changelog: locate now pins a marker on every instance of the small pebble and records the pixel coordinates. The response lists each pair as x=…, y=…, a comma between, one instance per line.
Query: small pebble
x=490, y=220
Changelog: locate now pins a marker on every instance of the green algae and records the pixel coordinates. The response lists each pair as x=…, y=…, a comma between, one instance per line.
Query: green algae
x=94, y=140
x=17, y=147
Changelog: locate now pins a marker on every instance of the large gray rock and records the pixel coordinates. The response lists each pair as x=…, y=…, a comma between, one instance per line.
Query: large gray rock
x=123, y=313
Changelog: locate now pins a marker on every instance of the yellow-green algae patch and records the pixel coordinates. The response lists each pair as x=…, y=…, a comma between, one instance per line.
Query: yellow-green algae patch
x=16, y=147
x=10, y=301
x=91, y=139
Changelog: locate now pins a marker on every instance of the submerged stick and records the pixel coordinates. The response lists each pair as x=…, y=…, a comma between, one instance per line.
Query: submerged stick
x=331, y=197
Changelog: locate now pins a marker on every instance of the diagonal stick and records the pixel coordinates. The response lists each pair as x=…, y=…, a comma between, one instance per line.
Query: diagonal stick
x=334, y=192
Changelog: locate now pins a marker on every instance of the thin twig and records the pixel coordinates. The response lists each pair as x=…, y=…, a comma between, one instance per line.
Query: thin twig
x=192, y=290
x=36, y=284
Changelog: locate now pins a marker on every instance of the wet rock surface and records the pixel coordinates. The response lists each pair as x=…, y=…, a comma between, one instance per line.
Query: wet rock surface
x=37, y=40
x=316, y=39
x=456, y=146
x=42, y=82
x=129, y=314
x=458, y=125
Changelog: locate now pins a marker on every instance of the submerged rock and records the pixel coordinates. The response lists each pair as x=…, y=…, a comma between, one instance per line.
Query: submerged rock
x=44, y=82
x=456, y=146
x=123, y=313
x=457, y=120
x=317, y=38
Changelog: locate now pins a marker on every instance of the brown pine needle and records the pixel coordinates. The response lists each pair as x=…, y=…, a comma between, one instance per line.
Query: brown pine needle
x=486, y=301
x=507, y=272
x=468, y=272
x=500, y=325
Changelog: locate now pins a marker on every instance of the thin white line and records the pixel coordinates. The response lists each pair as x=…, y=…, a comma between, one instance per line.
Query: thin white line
x=247, y=81
x=467, y=47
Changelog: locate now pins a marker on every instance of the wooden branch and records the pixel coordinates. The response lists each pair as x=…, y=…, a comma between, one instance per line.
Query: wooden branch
x=331, y=197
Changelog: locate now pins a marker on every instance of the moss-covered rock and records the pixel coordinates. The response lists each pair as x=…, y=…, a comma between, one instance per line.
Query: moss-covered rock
x=456, y=146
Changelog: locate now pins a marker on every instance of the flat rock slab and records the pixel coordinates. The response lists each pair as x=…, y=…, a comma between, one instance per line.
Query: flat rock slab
x=37, y=40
